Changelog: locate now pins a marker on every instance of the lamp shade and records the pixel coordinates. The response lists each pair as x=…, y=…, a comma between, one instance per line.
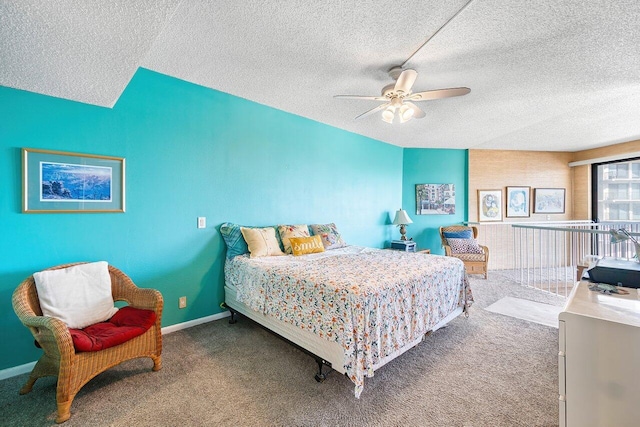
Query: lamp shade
x=618, y=236
x=406, y=113
x=402, y=218
x=388, y=114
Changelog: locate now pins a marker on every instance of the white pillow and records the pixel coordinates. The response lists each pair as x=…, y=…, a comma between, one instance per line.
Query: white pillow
x=79, y=296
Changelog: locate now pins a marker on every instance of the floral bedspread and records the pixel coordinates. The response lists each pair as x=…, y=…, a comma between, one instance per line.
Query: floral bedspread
x=372, y=302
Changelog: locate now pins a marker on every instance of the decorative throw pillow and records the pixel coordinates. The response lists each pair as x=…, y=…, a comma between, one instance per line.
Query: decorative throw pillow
x=306, y=245
x=288, y=231
x=261, y=241
x=461, y=234
x=79, y=296
x=236, y=245
x=464, y=246
x=331, y=238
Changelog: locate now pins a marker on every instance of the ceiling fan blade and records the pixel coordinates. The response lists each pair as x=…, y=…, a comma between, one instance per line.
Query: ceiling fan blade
x=373, y=98
x=417, y=112
x=373, y=110
x=405, y=81
x=438, y=94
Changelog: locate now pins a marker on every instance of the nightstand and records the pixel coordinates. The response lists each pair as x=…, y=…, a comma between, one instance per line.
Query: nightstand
x=403, y=245
x=412, y=249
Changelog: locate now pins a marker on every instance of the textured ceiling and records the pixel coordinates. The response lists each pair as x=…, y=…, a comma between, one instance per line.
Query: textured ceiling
x=544, y=75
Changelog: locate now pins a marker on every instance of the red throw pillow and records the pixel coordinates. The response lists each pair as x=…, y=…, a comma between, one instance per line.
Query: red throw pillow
x=129, y=316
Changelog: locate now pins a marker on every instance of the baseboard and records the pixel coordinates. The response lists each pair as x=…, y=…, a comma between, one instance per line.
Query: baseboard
x=16, y=370
x=194, y=322
x=27, y=367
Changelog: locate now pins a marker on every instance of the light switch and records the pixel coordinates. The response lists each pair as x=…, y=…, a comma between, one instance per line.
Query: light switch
x=202, y=222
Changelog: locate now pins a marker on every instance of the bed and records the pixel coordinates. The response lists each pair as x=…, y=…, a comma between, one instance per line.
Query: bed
x=353, y=308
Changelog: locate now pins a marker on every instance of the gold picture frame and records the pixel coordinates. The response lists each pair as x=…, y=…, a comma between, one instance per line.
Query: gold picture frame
x=64, y=182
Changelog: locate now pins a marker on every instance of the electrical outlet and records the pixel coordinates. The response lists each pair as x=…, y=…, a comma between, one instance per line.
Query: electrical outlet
x=202, y=222
x=182, y=302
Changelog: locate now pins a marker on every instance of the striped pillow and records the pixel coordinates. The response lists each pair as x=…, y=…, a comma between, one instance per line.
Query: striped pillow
x=236, y=245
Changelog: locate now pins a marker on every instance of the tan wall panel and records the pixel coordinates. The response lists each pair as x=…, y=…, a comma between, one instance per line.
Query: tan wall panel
x=582, y=192
x=611, y=150
x=498, y=169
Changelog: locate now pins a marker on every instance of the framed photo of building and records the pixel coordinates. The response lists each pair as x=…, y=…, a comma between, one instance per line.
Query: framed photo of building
x=435, y=199
x=489, y=205
x=549, y=200
x=57, y=181
x=518, y=200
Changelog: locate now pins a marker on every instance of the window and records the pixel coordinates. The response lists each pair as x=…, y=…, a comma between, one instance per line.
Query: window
x=616, y=190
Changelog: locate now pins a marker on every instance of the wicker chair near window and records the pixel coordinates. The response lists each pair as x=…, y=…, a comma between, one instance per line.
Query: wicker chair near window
x=473, y=263
x=75, y=369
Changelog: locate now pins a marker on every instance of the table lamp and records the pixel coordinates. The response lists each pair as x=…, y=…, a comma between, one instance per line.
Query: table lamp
x=402, y=220
x=622, y=235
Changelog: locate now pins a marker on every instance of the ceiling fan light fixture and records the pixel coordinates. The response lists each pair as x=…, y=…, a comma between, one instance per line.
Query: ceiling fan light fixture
x=388, y=114
x=406, y=113
x=399, y=98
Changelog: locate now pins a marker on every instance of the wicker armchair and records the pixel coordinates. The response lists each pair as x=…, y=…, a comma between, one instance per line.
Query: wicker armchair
x=60, y=359
x=473, y=263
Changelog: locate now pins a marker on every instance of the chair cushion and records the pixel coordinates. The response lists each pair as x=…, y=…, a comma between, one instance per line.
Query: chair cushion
x=470, y=257
x=127, y=323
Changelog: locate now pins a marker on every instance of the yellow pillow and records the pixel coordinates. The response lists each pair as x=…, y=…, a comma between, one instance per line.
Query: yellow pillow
x=306, y=245
x=261, y=241
x=288, y=231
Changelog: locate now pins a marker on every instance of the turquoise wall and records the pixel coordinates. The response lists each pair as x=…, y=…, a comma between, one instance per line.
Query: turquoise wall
x=190, y=151
x=433, y=166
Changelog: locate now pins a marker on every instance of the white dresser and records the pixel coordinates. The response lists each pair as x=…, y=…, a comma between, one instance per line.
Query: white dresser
x=599, y=359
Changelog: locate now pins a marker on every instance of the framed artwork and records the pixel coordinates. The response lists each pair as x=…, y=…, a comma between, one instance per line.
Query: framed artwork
x=549, y=200
x=489, y=205
x=518, y=199
x=56, y=181
x=435, y=199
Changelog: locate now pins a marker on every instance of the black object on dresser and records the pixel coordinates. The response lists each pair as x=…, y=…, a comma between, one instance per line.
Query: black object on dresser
x=615, y=271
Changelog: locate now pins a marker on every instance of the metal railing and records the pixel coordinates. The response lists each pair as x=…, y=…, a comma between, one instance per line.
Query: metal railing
x=546, y=255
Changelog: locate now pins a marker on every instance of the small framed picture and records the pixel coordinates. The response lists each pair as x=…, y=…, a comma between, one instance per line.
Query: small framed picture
x=549, y=200
x=435, y=199
x=518, y=199
x=57, y=181
x=489, y=205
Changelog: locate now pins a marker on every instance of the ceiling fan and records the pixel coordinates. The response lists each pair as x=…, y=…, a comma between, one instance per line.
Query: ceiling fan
x=399, y=99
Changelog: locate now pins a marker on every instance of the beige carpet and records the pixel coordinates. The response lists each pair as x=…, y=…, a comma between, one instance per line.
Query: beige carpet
x=487, y=370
